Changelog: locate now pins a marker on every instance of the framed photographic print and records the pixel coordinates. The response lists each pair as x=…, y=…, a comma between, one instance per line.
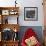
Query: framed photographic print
x=5, y=20
x=31, y=13
x=13, y=20
x=7, y=34
x=5, y=12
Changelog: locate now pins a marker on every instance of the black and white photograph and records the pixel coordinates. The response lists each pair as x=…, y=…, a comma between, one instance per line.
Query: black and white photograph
x=30, y=13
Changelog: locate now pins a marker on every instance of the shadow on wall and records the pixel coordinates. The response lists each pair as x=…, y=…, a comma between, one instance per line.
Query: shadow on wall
x=37, y=29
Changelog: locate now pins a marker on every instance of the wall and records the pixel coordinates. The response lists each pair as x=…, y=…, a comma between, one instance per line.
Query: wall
x=31, y=3
x=26, y=3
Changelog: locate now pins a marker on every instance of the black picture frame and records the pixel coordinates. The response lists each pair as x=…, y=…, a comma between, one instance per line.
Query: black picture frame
x=30, y=13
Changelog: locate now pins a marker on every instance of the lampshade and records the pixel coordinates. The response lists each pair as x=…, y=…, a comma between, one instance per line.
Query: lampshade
x=15, y=30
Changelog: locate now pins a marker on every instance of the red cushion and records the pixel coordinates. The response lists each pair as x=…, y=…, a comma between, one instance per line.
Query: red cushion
x=29, y=33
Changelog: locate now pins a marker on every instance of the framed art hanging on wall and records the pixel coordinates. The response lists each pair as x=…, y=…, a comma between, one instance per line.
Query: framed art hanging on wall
x=30, y=13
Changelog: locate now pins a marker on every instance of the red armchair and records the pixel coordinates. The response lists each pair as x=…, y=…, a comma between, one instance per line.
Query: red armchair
x=28, y=34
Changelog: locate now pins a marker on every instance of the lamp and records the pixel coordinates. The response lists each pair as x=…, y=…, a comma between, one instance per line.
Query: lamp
x=15, y=3
x=15, y=30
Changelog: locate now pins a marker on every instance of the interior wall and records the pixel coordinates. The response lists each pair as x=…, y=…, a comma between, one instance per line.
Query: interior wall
x=31, y=3
x=26, y=3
